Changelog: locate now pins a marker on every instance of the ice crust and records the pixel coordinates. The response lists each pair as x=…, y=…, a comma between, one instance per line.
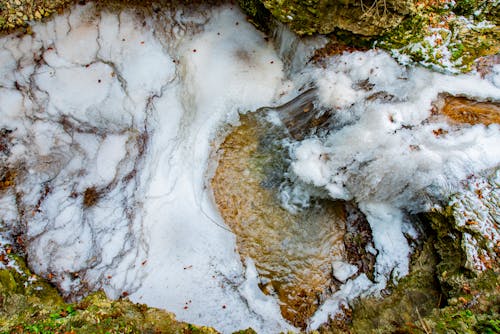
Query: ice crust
x=123, y=108
x=127, y=108
x=385, y=147
x=389, y=153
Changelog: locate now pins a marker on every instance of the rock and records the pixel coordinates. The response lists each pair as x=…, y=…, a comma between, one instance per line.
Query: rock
x=463, y=110
x=292, y=251
x=367, y=18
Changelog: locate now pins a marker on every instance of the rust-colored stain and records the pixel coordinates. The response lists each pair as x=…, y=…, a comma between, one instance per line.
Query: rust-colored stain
x=90, y=197
x=7, y=179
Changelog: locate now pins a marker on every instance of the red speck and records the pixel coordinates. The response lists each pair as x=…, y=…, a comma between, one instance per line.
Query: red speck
x=109, y=277
x=144, y=262
x=185, y=307
x=124, y=294
x=50, y=48
x=194, y=50
x=87, y=65
x=142, y=42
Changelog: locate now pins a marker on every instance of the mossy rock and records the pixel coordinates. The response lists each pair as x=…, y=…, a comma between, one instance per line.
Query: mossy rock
x=440, y=295
x=29, y=304
x=447, y=36
x=306, y=17
x=415, y=295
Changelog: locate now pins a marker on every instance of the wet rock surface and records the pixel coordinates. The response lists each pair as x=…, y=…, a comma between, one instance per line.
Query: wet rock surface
x=465, y=110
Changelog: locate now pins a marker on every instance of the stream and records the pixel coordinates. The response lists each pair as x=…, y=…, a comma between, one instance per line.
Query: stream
x=183, y=159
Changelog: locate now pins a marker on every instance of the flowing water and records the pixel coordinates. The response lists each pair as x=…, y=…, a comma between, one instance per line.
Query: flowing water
x=293, y=251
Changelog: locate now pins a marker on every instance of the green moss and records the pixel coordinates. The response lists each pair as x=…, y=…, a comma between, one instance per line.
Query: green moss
x=438, y=296
x=447, y=36
x=415, y=296
x=306, y=17
x=476, y=310
x=28, y=304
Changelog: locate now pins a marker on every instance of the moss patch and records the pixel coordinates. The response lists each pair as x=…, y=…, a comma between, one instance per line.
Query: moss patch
x=18, y=13
x=369, y=18
x=28, y=304
x=440, y=295
x=446, y=35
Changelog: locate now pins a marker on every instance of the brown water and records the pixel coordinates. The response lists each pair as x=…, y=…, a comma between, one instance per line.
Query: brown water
x=292, y=252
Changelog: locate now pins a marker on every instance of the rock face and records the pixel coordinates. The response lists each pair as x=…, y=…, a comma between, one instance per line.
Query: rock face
x=367, y=18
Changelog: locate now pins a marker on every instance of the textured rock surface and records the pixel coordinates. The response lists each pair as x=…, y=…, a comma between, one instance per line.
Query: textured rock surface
x=447, y=35
x=18, y=13
x=367, y=18
x=106, y=129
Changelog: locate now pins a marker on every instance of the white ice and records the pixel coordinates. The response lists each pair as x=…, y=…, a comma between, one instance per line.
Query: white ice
x=125, y=108
x=387, y=151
